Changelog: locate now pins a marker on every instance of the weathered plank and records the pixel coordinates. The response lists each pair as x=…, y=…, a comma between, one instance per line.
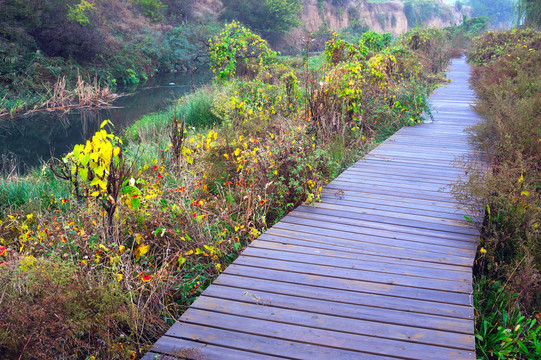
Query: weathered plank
x=379, y=269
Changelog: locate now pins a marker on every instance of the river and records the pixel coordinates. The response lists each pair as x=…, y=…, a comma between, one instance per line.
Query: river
x=26, y=141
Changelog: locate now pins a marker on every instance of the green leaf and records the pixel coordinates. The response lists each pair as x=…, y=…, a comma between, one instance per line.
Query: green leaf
x=99, y=171
x=84, y=174
x=85, y=159
x=135, y=203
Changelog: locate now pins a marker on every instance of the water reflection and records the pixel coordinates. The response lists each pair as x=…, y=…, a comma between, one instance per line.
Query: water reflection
x=28, y=140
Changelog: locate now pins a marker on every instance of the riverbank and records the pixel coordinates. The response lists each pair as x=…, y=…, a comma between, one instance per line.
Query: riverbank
x=144, y=222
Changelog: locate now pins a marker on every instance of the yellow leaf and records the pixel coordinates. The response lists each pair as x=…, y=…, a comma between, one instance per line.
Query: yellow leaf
x=190, y=252
x=525, y=193
x=520, y=179
x=181, y=260
x=95, y=193
x=138, y=238
x=95, y=181
x=141, y=250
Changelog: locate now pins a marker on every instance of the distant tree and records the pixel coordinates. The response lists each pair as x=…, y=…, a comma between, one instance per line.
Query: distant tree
x=528, y=12
x=497, y=11
x=264, y=16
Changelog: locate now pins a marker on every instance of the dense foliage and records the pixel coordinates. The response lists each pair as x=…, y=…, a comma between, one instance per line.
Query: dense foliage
x=507, y=79
x=235, y=49
x=135, y=227
x=264, y=16
x=529, y=13
x=418, y=12
x=499, y=12
x=116, y=42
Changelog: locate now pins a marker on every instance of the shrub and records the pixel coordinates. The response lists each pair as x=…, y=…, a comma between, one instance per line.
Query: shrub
x=507, y=81
x=54, y=309
x=234, y=48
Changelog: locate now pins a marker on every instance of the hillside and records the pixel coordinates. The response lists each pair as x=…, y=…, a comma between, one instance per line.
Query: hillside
x=321, y=16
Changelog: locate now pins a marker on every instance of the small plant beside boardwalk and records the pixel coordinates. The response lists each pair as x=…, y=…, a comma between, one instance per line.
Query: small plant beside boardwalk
x=136, y=226
x=507, y=79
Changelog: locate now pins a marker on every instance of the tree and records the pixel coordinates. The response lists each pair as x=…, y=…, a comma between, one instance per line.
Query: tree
x=499, y=12
x=234, y=48
x=528, y=12
x=264, y=16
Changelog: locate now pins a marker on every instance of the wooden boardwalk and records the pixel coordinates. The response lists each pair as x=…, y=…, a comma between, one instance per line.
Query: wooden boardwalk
x=380, y=269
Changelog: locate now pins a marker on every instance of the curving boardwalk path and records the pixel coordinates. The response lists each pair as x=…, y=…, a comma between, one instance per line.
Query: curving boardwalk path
x=380, y=269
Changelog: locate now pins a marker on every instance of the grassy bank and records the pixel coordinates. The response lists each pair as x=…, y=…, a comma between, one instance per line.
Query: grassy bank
x=507, y=80
x=152, y=217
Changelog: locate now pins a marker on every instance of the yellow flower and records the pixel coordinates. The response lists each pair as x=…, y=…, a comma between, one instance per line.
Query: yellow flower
x=119, y=277
x=30, y=216
x=482, y=250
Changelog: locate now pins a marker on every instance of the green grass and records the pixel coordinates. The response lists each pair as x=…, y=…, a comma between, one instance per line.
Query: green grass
x=32, y=193
x=196, y=108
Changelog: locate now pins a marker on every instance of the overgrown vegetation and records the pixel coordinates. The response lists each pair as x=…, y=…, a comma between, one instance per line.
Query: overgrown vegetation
x=507, y=79
x=529, y=13
x=418, y=12
x=267, y=17
x=499, y=12
x=110, y=43
x=142, y=224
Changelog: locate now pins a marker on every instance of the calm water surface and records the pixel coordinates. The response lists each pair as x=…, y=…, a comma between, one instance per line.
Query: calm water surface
x=29, y=140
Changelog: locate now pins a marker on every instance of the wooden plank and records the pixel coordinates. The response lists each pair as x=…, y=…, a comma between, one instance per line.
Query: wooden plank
x=237, y=338
x=397, y=209
x=448, y=171
x=309, y=257
x=348, y=179
x=186, y=349
x=364, y=195
x=335, y=323
x=415, y=284
x=382, y=169
x=385, y=190
x=366, y=287
x=333, y=250
x=440, y=156
x=351, y=175
x=369, y=244
x=365, y=346
x=384, y=228
x=405, y=219
x=419, y=314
